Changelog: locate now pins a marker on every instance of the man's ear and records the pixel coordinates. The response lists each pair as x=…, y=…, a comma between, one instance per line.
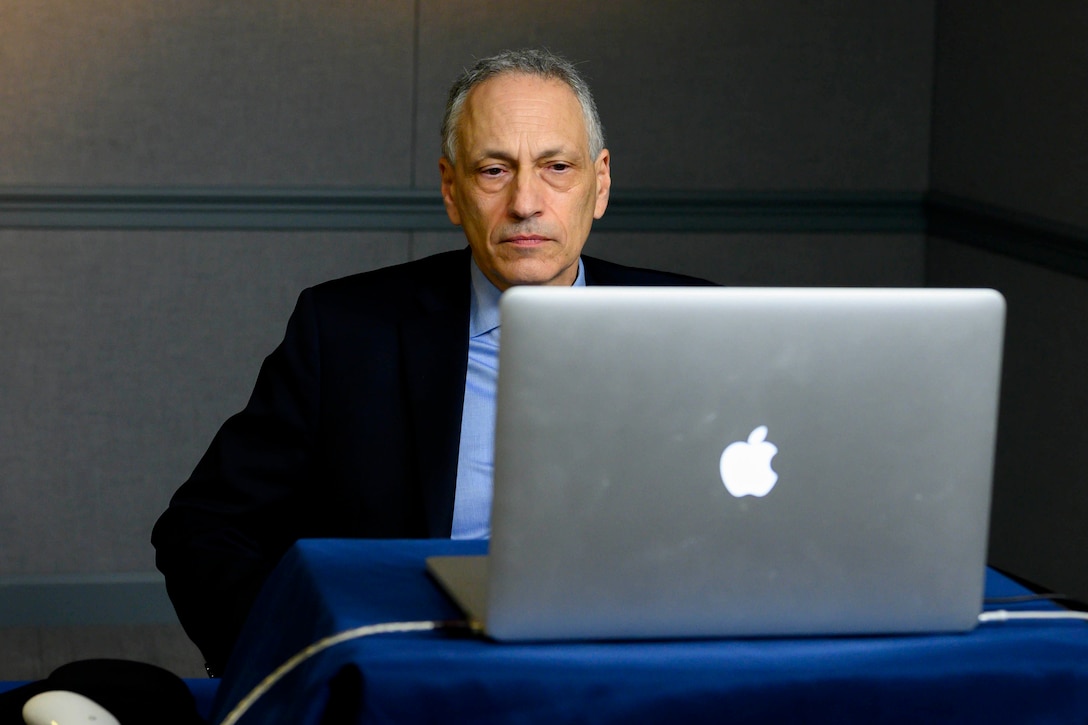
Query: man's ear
x=604, y=183
x=449, y=193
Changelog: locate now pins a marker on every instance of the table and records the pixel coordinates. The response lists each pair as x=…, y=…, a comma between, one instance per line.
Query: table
x=1008, y=672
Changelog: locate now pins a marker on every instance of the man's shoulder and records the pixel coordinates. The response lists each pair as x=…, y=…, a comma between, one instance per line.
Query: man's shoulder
x=602, y=272
x=442, y=273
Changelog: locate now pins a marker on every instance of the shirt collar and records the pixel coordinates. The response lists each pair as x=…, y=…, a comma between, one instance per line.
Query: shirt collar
x=484, y=315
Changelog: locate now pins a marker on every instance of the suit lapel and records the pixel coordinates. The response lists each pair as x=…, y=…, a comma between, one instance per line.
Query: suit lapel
x=434, y=342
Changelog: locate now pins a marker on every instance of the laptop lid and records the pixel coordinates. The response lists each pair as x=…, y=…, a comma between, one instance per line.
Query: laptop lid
x=691, y=462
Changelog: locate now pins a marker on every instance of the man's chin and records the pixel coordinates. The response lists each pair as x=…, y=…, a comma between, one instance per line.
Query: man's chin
x=537, y=274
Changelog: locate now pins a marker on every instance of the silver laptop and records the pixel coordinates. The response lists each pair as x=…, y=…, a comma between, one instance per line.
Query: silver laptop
x=705, y=462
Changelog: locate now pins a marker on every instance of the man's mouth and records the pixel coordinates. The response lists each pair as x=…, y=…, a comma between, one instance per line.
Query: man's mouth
x=526, y=239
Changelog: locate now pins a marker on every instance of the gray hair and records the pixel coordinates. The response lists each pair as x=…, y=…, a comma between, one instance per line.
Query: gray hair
x=541, y=63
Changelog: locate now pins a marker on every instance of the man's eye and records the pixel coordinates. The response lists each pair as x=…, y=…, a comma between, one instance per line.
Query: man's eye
x=560, y=167
x=492, y=171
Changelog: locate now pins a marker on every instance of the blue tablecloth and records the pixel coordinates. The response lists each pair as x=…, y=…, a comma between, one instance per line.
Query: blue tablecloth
x=1009, y=672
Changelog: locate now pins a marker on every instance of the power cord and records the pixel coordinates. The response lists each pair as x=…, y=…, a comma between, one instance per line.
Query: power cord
x=243, y=706
x=323, y=644
x=1004, y=615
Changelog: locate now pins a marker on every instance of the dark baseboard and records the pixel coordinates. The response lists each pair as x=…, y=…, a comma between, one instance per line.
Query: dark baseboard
x=80, y=600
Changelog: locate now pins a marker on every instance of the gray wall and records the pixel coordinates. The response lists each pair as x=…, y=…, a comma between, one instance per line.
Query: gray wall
x=1009, y=119
x=1010, y=106
x=125, y=347
x=694, y=94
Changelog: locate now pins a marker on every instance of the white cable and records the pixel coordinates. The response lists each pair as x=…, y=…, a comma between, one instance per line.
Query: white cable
x=321, y=645
x=1000, y=615
x=1004, y=615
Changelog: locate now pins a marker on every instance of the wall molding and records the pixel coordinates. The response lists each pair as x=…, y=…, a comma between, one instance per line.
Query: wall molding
x=219, y=208
x=768, y=212
x=418, y=210
x=1062, y=248
x=1031, y=239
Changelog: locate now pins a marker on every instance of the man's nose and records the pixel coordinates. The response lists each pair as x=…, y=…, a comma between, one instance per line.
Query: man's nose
x=525, y=195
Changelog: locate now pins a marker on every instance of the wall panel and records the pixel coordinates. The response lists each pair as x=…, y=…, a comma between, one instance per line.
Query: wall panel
x=1040, y=497
x=1010, y=176
x=206, y=92
x=1011, y=99
x=123, y=352
x=718, y=95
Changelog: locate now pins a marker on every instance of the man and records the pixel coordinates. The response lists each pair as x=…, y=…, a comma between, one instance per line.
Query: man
x=374, y=417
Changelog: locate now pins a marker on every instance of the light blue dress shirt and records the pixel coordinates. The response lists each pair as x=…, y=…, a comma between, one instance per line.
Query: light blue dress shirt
x=475, y=467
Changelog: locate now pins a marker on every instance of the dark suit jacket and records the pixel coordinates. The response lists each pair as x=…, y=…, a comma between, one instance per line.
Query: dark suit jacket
x=352, y=431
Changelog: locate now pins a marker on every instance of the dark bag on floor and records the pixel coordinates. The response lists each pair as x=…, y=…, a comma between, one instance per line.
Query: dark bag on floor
x=136, y=693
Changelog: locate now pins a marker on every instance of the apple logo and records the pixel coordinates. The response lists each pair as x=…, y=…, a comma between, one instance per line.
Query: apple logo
x=746, y=466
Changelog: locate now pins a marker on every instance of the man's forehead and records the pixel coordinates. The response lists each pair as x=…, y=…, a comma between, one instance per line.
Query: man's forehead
x=522, y=103
x=522, y=81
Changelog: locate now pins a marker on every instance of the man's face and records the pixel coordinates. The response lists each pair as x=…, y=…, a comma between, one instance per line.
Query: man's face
x=524, y=188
